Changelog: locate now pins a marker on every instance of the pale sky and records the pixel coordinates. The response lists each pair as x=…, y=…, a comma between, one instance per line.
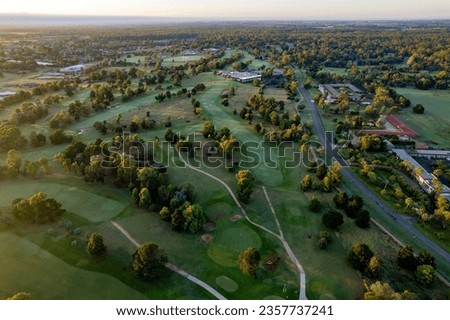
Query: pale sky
x=239, y=9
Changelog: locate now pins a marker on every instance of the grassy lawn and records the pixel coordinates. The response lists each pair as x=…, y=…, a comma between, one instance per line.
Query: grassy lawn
x=434, y=125
x=180, y=60
x=85, y=204
x=27, y=267
x=339, y=71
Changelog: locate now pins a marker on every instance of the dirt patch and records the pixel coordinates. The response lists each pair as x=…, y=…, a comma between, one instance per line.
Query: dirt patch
x=209, y=227
x=207, y=238
x=236, y=217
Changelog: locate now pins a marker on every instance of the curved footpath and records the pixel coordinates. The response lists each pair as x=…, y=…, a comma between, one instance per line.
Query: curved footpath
x=172, y=267
x=290, y=253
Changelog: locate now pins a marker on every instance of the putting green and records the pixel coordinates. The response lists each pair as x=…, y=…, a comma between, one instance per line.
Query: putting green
x=228, y=243
x=27, y=267
x=227, y=284
x=85, y=204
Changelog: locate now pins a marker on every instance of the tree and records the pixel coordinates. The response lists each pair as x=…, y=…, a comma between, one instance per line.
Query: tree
x=425, y=275
x=332, y=219
x=425, y=257
x=335, y=173
x=194, y=218
x=343, y=101
x=363, y=219
x=324, y=240
x=144, y=198
x=406, y=258
x=321, y=171
x=20, y=296
x=165, y=213
x=37, y=140
x=13, y=163
x=248, y=261
x=354, y=205
x=419, y=109
x=306, y=183
x=327, y=184
x=372, y=267
x=314, y=204
x=95, y=245
x=59, y=137
x=149, y=261
x=340, y=200
x=11, y=138
x=245, y=181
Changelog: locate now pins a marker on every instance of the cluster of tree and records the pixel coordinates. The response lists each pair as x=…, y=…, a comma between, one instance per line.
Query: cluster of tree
x=59, y=137
x=37, y=209
x=362, y=259
x=383, y=291
x=69, y=85
x=149, y=186
x=423, y=265
x=17, y=65
x=272, y=112
x=245, y=182
x=15, y=166
x=11, y=138
x=29, y=113
x=225, y=141
x=77, y=156
x=18, y=97
x=37, y=139
x=371, y=143
x=353, y=208
x=326, y=178
x=60, y=120
x=77, y=109
x=101, y=96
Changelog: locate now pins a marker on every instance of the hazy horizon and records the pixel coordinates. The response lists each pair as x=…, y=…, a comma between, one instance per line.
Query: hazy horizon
x=238, y=10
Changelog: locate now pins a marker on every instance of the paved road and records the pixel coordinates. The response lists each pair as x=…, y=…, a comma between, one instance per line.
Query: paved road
x=172, y=267
x=405, y=222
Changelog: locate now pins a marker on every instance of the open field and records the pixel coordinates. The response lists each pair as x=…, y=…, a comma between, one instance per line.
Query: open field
x=27, y=267
x=180, y=60
x=87, y=205
x=434, y=125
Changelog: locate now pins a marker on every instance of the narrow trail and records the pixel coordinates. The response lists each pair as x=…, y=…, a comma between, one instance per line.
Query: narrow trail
x=244, y=213
x=290, y=253
x=172, y=267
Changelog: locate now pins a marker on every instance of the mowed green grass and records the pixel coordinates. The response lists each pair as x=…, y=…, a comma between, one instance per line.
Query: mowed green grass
x=88, y=205
x=434, y=125
x=27, y=267
x=180, y=60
